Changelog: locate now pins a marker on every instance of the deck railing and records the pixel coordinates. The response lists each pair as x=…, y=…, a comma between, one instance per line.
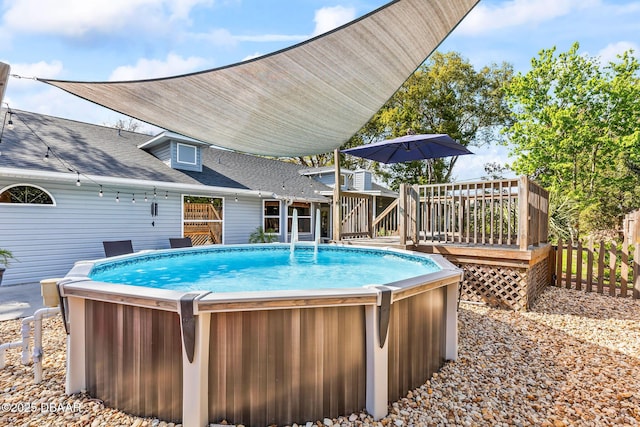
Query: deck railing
x=386, y=224
x=357, y=216
x=508, y=212
x=511, y=212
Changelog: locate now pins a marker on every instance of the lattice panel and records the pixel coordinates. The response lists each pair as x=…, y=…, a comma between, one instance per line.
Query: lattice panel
x=497, y=286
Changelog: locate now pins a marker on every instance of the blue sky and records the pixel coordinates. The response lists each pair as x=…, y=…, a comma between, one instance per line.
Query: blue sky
x=102, y=40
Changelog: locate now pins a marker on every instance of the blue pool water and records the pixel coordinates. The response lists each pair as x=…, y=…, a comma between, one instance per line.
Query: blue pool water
x=237, y=269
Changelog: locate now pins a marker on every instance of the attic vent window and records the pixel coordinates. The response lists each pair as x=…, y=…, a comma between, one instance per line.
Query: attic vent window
x=186, y=154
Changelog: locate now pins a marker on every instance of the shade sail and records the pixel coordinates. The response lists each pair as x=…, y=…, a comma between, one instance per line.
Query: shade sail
x=409, y=148
x=307, y=99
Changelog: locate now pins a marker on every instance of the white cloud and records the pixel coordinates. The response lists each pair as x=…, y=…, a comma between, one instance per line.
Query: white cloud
x=152, y=68
x=27, y=72
x=217, y=37
x=77, y=18
x=252, y=56
x=610, y=52
x=328, y=18
x=512, y=13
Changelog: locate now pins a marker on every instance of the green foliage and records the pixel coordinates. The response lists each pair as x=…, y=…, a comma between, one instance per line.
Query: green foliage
x=259, y=235
x=5, y=257
x=445, y=95
x=575, y=131
x=563, y=218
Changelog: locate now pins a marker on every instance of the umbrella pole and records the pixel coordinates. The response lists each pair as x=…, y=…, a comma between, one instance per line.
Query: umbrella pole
x=337, y=220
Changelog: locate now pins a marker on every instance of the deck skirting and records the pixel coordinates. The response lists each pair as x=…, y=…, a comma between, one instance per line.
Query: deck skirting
x=500, y=277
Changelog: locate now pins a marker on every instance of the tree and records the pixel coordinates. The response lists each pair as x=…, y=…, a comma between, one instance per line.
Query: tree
x=494, y=171
x=130, y=125
x=445, y=95
x=575, y=131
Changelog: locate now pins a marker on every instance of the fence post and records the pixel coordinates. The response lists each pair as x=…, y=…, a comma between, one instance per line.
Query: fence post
x=635, y=239
x=559, y=256
x=636, y=271
x=636, y=254
x=371, y=216
x=523, y=213
x=402, y=213
x=337, y=209
x=416, y=214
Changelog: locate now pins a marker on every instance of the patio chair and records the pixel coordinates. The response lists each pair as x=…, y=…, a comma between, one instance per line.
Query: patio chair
x=117, y=247
x=180, y=242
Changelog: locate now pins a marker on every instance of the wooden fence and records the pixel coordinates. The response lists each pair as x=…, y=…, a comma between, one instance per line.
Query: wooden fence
x=611, y=268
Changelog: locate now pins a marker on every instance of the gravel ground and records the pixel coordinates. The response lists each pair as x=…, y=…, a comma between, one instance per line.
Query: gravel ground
x=573, y=360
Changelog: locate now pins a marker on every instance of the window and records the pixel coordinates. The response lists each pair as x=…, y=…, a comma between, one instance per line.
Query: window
x=304, y=216
x=187, y=154
x=26, y=195
x=271, y=215
x=203, y=219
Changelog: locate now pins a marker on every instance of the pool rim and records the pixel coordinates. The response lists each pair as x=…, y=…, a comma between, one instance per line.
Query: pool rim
x=78, y=283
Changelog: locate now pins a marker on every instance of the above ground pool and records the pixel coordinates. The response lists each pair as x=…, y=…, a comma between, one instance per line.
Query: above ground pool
x=257, y=334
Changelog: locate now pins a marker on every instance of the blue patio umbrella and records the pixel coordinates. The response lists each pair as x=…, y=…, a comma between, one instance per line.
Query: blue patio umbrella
x=410, y=148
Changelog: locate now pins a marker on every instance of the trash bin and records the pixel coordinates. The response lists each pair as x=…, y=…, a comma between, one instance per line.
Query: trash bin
x=49, y=292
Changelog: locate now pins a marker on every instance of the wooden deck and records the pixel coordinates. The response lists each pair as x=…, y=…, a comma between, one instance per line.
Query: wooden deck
x=496, y=231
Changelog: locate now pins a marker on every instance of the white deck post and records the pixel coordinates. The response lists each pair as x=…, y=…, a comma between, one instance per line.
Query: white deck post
x=76, y=356
x=451, y=343
x=377, y=366
x=195, y=377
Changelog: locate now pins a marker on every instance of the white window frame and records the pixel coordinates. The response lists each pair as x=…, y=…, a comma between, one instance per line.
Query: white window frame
x=279, y=217
x=195, y=154
x=224, y=213
x=8, y=187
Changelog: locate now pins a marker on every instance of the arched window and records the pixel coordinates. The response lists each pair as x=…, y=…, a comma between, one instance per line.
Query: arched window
x=26, y=194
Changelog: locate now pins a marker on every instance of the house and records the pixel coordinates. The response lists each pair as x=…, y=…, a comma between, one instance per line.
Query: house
x=67, y=186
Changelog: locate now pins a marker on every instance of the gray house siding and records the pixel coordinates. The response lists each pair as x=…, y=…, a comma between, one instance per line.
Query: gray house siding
x=162, y=152
x=47, y=240
x=241, y=218
x=362, y=180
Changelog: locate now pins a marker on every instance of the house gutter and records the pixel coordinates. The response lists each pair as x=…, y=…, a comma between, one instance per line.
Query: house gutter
x=136, y=183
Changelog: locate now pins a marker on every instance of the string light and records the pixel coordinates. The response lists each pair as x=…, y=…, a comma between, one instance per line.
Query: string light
x=260, y=194
x=8, y=123
x=133, y=198
x=236, y=199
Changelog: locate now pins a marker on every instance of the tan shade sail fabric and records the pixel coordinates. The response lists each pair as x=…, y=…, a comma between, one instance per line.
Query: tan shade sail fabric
x=307, y=99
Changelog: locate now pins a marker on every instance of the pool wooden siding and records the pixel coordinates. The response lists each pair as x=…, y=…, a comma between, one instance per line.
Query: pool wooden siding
x=285, y=366
x=416, y=340
x=134, y=359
